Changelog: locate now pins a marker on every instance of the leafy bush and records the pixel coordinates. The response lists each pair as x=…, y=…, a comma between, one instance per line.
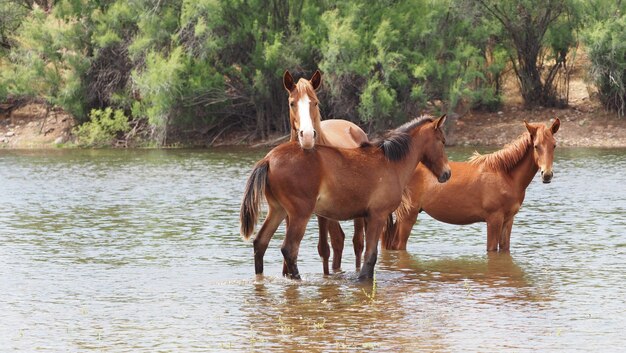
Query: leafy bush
x=102, y=128
x=606, y=44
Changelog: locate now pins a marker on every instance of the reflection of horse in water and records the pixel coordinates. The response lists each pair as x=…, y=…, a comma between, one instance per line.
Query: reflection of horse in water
x=498, y=269
x=335, y=314
x=404, y=314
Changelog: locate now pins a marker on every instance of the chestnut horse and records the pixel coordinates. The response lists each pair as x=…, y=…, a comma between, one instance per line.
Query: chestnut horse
x=489, y=188
x=338, y=184
x=308, y=128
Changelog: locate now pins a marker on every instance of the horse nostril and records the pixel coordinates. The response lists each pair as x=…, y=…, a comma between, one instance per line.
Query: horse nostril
x=314, y=134
x=547, y=177
x=445, y=176
x=301, y=133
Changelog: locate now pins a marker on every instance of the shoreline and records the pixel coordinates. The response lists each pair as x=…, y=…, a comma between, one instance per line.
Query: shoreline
x=581, y=126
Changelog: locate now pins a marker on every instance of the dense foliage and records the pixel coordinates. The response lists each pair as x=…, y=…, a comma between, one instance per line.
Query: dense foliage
x=209, y=66
x=606, y=43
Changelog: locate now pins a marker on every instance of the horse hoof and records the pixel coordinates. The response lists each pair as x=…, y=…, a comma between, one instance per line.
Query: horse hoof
x=365, y=277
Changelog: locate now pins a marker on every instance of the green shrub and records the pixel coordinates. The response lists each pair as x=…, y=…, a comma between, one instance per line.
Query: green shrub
x=102, y=128
x=606, y=43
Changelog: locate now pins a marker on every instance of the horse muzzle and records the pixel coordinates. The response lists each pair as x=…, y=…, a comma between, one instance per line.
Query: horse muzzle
x=307, y=139
x=546, y=177
x=445, y=176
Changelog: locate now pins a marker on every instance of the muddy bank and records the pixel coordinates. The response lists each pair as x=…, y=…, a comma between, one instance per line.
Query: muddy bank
x=31, y=126
x=594, y=128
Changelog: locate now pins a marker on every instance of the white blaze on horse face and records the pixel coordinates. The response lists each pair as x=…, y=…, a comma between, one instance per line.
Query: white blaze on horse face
x=306, y=135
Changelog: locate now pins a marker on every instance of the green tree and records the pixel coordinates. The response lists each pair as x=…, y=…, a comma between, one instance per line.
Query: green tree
x=47, y=61
x=606, y=44
x=526, y=23
x=391, y=66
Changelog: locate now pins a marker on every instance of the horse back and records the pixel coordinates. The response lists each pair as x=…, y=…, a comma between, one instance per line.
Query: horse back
x=342, y=133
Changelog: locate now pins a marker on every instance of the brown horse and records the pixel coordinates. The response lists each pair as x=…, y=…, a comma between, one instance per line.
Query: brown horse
x=331, y=182
x=489, y=188
x=308, y=128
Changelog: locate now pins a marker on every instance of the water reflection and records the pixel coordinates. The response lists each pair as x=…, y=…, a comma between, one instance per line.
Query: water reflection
x=335, y=314
x=494, y=270
x=408, y=306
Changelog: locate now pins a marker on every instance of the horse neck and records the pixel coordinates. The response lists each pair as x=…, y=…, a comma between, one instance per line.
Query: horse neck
x=317, y=125
x=407, y=168
x=524, y=172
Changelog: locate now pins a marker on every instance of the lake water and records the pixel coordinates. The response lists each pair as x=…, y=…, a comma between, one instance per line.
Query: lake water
x=139, y=251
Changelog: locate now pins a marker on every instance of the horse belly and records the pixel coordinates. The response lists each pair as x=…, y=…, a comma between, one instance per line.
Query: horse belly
x=338, y=208
x=454, y=218
x=453, y=205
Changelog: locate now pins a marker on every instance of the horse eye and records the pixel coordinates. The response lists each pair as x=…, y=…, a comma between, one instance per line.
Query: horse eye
x=536, y=147
x=292, y=104
x=555, y=145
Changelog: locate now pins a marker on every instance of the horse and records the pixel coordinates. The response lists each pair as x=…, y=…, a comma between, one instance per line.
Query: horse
x=488, y=188
x=308, y=128
x=338, y=184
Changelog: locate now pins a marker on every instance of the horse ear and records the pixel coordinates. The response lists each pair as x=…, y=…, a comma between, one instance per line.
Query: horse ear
x=555, y=126
x=441, y=121
x=316, y=79
x=288, y=81
x=530, y=128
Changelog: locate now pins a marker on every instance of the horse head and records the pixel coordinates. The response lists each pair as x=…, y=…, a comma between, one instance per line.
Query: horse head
x=304, y=113
x=544, y=144
x=435, y=158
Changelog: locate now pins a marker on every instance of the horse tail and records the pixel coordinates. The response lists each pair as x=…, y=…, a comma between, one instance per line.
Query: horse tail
x=388, y=237
x=252, y=196
x=389, y=234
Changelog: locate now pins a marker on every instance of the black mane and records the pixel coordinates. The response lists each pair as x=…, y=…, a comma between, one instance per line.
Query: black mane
x=397, y=143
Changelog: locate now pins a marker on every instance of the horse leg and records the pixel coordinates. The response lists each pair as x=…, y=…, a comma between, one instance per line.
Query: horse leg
x=505, y=239
x=337, y=237
x=262, y=240
x=322, y=244
x=403, y=228
x=358, y=240
x=372, y=234
x=494, y=232
x=284, y=262
x=291, y=245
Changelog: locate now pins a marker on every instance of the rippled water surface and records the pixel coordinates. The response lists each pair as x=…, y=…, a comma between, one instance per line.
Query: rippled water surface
x=139, y=251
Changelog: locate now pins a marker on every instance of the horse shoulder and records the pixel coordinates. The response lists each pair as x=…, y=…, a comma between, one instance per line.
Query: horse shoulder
x=289, y=160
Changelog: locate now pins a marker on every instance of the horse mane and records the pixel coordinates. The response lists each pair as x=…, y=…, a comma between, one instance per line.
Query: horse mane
x=306, y=87
x=506, y=158
x=396, y=143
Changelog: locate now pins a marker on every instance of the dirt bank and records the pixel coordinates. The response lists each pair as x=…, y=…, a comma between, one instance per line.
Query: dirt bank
x=594, y=128
x=30, y=127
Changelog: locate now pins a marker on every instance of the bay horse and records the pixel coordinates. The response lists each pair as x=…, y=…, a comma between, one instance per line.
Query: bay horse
x=308, y=128
x=488, y=188
x=338, y=184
